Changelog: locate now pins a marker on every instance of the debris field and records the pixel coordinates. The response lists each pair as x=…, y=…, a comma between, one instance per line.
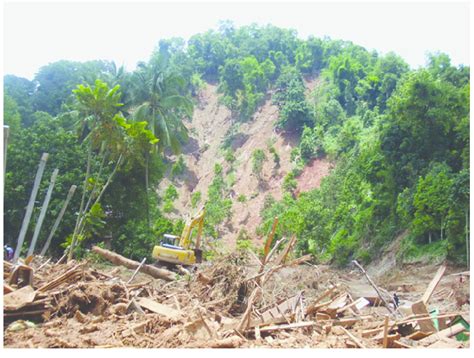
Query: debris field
x=239, y=300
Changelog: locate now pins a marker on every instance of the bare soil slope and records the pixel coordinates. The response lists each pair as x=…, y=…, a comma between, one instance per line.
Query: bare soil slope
x=208, y=129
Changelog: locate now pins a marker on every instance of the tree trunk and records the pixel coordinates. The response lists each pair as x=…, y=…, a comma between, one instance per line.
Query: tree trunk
x=147, y=204
x=44, y=208
x=58, y=219
x=109, y=179
x=133, y=265
x=429, y=237
x=81, y=207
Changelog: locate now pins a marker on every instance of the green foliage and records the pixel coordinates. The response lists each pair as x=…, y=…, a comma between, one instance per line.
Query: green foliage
x=218, y=207
x=258, y=158
x=11, y=115
x=178, y=168
x=412, y=251
x=241, y=198
x=229, y=156
x=170, y=195
x=290, y=99
x=289, y=183
x=195, y=199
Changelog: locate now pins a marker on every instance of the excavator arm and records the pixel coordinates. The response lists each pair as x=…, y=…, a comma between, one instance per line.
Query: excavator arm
x=198, y=221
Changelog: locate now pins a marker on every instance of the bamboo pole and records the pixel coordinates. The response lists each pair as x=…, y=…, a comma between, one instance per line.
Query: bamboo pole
x=31, y=204
x=72, y=189
x=44, y=208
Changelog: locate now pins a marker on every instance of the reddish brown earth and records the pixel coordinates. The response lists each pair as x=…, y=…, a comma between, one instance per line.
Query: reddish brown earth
x=207, y=130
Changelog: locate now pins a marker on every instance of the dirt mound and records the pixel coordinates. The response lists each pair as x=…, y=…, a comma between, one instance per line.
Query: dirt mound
x=91, y=297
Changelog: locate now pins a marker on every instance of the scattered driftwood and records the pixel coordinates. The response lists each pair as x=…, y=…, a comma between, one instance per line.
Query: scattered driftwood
x=117, y=259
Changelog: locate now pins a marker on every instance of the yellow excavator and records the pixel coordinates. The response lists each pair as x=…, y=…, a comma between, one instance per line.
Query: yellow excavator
x=176, y=250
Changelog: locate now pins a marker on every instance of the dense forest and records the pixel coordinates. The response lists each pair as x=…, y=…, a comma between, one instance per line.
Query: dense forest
x=399, y=138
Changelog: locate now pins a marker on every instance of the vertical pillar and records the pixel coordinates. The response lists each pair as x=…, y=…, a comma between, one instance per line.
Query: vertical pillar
x=31, y=204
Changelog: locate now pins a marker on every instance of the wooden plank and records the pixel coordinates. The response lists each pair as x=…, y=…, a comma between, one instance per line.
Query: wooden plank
x=361, y=302
x=446, y=343
x=17, y=299
x=445, y=333
x=385, y=332
x=277, y=313
x=30, y=206
x=61, y=279
x=398, y=344
x=288, y=326
x=158, y=308
x=416, y=336
x=426, y=325
x=356, y=340
x=433, y=284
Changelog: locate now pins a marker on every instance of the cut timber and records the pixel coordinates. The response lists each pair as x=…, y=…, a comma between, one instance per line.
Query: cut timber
x=19, y=298
x=69, y=275
x=398, y=344
x=288, y=326
x=123, y=261
x=23, y=273
x=385, y=332
x=268, y=243
x=445, y=333
x=281, y=259
x=350, y=321
x=158, y=308
x=446, y=343
x=230, y=342
x=360, y=303
x=432, y=286
x=353, y=338
x=277, y=313
x=426, y=325
x=416, y=336
x=7, y=289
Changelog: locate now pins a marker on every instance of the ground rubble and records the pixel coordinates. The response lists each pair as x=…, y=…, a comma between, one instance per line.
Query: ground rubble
x=240, y=300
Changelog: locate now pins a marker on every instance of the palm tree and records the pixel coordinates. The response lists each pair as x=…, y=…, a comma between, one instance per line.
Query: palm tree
x=159, y=98
x=160, y=101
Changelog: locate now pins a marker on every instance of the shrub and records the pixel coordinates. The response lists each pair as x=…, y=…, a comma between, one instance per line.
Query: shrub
x=241, y=198
x=258, y=158
x=195, y=199
x=178, y=168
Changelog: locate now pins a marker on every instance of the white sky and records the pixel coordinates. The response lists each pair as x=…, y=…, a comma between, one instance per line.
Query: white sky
x=36, y=34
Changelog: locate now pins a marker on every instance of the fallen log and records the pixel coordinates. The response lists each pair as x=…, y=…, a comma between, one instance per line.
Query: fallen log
x=117, y=259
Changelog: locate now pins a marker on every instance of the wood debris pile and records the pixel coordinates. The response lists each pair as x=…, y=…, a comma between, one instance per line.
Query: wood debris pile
x=238, y=301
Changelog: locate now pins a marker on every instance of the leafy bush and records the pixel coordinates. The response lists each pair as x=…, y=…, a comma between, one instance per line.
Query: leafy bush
x=171, y=194
x=195, y=199
x=258, y=158
x=178, y=168
x=241, y=198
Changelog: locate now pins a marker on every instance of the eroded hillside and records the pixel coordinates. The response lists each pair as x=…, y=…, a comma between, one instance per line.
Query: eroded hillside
x=211, y=127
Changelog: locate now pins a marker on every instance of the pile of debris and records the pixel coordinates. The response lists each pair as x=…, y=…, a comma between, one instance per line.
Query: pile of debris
x=237, y=301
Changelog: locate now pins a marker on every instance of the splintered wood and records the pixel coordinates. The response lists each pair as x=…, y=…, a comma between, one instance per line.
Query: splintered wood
x=240, y=300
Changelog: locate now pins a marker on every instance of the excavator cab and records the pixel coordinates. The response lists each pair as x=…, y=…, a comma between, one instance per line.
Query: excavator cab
x=176, y=249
